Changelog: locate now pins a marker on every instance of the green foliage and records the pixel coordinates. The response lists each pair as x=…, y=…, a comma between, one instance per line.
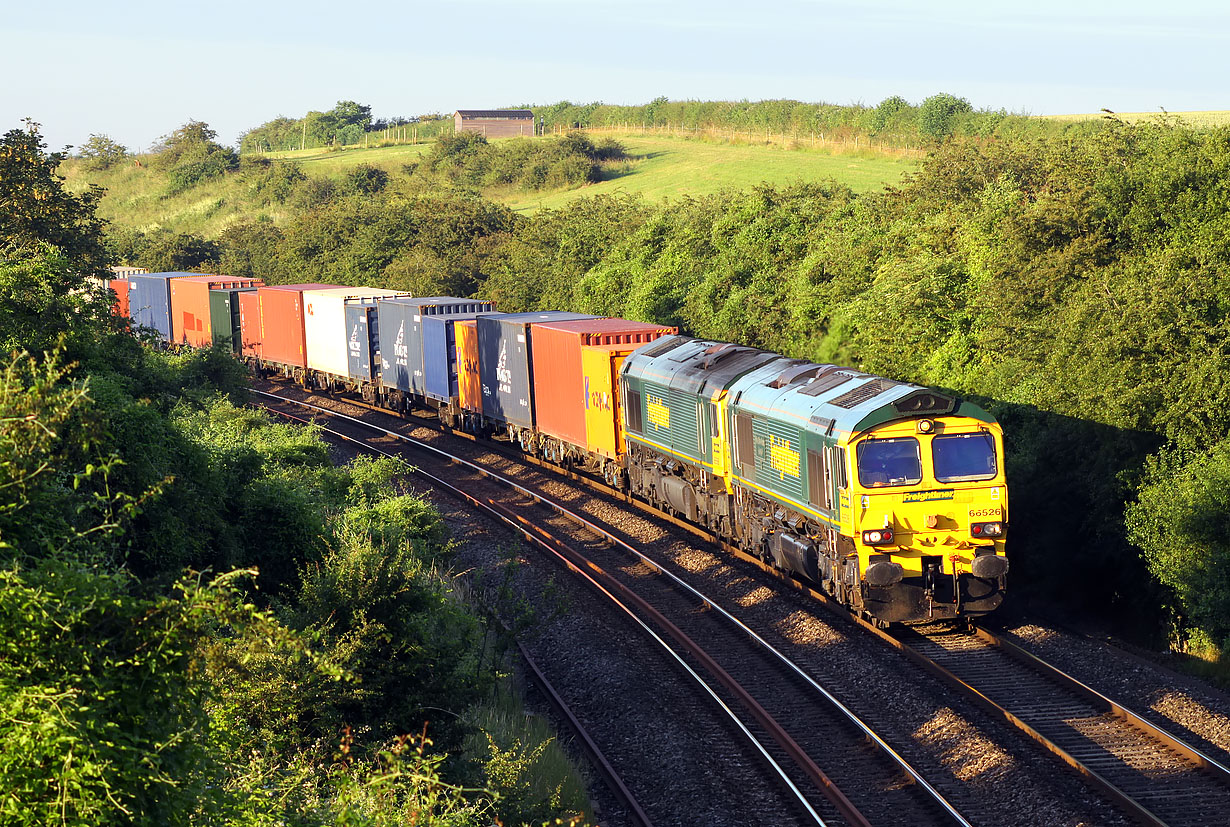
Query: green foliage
x=101, y=152
x=191, y=156
x=526, y=163
x=163, y=251
x=937, y=114
x=37, y=211
x=1181, y=519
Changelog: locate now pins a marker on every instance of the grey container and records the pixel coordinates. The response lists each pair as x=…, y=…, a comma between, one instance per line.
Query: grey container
x=504, y=364
x=401, y=336
x=362, y=340
x=440, y=355
x=149, y=300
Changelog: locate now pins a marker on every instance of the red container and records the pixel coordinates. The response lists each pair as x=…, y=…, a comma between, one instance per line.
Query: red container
x=559, y=382
x=190, y=306
x=281, y=330
x=250, y=323
x=120, y=286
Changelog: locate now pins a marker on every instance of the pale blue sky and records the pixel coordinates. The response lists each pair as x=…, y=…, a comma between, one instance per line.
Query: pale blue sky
x=137, y=70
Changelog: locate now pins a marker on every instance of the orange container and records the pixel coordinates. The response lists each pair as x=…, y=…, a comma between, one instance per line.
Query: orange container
x=250, y=323
x=190, y=306
x=282, y=336
x=560, y=395
x=600, y=366
x=120, y=286
x=469, y=385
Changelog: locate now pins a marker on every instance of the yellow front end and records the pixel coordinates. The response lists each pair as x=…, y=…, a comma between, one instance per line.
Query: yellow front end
x=928, y=518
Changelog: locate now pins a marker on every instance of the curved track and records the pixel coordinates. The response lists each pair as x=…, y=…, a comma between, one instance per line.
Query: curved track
x=819, y=727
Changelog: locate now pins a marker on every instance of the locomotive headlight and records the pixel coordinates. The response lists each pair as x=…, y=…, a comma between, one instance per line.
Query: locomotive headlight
x=878, y=536
x=995, y=529
x=925, y=426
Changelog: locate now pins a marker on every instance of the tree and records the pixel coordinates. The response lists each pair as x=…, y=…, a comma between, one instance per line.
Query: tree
x=889, y=110
x=937, y=113
x=100, y=152
x=35, y=208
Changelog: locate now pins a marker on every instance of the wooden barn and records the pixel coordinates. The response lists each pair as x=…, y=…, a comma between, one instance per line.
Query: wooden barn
x=495, y=123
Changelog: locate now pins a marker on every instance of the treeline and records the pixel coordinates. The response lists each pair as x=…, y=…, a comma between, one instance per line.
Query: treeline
x=1075, y=285
x=935, y=118
x=204, y=619
x=346, y=124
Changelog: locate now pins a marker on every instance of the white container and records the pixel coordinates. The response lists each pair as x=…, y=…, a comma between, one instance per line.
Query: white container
x=324, y=324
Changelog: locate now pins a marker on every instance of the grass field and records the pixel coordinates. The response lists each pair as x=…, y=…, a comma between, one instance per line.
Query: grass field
x=659, y=167
x=665, y=167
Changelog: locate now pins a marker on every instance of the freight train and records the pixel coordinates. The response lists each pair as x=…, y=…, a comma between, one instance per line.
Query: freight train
x=890, y=496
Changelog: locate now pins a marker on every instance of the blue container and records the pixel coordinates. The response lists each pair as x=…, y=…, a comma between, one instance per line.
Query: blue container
x=149, y=300
x=440, y=355
x=401, y=336
x=362, y=340
x=505, y=366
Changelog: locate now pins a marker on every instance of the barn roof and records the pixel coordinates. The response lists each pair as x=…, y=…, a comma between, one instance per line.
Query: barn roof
x=510, y=114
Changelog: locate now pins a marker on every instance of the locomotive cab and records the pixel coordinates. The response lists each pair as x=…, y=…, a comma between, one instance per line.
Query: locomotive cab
x=929, y=517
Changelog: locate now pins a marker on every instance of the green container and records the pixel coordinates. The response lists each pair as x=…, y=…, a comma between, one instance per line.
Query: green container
x=224, y=316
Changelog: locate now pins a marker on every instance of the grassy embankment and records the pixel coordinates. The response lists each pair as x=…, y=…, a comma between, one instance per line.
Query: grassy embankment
x=658, y=168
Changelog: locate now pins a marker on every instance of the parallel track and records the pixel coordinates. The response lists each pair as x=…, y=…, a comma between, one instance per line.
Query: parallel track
x=898, y=793
x=1152, y=775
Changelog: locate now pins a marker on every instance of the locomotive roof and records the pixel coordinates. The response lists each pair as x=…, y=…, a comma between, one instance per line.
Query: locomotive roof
x=824, y=398
x=693, y=365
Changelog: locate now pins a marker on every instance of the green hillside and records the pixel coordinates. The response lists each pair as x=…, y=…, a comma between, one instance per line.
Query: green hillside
x=658, y=167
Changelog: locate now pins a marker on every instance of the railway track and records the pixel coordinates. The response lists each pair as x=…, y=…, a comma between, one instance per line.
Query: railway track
x=1150, y=775
x=791, y=720
x=1158, y=778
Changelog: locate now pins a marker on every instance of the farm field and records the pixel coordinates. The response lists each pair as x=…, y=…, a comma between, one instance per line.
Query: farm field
x=1211, y=118
x=668, y=167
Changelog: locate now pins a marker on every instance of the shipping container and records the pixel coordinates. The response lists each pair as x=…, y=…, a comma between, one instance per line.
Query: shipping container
x=120, y=286
x=600, y=366
x=558, y=374
x=324, y=324
x=469, y=385
x=401, y=342
x=149, y=300
x=190, y=308
x=224, y=316
x=440, y=366
x=362, y=340
x=280, y=333
x=250, y=323
x=504, y=364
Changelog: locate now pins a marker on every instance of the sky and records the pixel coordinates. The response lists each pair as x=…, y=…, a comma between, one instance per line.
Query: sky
x=135, y=71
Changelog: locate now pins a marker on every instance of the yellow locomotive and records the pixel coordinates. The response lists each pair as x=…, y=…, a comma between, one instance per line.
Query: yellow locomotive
x=891, y=496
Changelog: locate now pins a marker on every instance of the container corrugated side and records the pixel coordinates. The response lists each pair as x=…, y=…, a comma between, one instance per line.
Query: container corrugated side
x=559, y=391
x=190, y=309
x=362, y=340
x=504, y=346
x=439, y=347
x=224, y=316
x=324, y=324
x=120, y=286
x=600, y=366
x=469, y=385
x=281, y=323
x=250, y=323
x=149, y=300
